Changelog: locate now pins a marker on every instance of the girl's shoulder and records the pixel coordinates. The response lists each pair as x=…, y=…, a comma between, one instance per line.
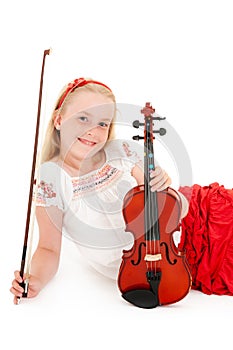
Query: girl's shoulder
x=52, y=172
x=53, y=167
x=50, y=168
x=54, y=186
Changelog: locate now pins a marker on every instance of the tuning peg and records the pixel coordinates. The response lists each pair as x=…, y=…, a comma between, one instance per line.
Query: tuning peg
x=137, y=137
x=161, y=131
x=136, y=124
x=158, y=118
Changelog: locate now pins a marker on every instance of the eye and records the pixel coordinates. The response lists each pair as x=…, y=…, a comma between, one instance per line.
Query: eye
x=103, y=124
x=83, y=118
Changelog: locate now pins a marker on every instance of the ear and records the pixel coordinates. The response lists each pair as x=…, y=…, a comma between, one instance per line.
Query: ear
x=57, y=120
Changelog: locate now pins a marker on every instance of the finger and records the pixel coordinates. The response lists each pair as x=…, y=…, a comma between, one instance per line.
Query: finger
x=18, y=277
x=162, y=176
x=165, y=185
x=158, y=170
x=161, y=185
x=16, y=286
x=16, y=292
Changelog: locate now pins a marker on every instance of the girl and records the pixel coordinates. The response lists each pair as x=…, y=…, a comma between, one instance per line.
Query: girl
x=84, y=177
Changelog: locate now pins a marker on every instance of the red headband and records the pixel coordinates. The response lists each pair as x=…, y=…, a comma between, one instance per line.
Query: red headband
x=78, y=83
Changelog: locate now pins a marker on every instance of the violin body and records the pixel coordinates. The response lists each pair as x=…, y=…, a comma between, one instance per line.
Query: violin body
x=175, y=278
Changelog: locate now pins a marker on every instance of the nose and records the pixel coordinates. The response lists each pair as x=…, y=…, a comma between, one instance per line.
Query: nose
x=91, y=132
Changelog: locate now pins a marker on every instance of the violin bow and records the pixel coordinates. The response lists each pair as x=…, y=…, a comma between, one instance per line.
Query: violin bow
x=30, y=215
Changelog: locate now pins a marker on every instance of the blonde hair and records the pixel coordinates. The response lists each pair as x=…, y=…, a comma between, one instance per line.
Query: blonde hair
x=51, y=145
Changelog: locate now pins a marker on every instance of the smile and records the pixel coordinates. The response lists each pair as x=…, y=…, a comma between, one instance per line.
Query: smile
x=86, y=142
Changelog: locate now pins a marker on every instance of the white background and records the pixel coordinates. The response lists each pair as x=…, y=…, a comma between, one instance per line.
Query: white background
x=176, y=54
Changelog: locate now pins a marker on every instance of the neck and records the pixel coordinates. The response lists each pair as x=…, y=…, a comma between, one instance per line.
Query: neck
x=78, y=167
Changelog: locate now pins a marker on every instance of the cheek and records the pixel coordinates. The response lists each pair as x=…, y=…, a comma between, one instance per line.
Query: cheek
x=70, y=130
x=68, y=134
x=104, y=134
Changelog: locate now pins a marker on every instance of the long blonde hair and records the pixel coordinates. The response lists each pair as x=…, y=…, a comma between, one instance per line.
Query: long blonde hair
x=51, y=145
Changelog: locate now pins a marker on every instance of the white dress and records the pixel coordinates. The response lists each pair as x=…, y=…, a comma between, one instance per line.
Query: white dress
x=92, y=204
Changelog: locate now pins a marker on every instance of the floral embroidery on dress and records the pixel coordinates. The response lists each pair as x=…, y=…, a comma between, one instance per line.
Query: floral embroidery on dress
x=129, y=153
x=45, y=191
x=101, y=178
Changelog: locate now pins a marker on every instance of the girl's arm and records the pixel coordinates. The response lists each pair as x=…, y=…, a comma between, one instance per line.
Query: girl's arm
x=45, y=260
x=159, y=181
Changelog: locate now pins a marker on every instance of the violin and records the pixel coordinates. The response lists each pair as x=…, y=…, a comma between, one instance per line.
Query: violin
x=153, y=272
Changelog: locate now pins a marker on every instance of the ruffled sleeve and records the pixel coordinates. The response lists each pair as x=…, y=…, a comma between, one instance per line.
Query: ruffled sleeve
x=52, y=187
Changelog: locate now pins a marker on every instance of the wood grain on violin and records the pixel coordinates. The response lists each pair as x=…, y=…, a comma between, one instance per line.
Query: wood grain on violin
x=153, y=272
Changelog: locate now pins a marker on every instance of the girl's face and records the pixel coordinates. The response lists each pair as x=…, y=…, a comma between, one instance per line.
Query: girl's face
x=84, y=124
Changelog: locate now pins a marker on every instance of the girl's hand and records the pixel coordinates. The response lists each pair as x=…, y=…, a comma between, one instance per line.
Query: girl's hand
x=159, y=179
x=34, y=287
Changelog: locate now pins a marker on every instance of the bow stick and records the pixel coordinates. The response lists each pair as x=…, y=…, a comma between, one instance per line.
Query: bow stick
x=30, y=215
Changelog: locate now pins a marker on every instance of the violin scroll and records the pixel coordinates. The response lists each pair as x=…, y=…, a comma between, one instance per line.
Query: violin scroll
x=147, y=111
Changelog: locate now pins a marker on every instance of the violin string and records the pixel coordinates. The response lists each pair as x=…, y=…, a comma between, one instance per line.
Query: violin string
x=153, y=251
x=149, y=202
x=146, y=195
x=153, y=209
x=153, y=203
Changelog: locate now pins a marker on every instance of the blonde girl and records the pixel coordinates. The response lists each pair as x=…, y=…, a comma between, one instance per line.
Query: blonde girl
x=84, y=176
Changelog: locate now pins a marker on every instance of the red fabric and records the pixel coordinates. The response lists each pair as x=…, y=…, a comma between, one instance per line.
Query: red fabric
x=207, y=238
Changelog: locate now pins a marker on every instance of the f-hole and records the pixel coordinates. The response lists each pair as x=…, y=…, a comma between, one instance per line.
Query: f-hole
x=139, y=254
x=167, y=254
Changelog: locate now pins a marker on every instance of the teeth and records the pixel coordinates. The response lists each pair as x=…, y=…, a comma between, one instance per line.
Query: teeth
x=89, y=143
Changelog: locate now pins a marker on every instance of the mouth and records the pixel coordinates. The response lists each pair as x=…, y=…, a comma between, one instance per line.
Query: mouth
x=86, y=142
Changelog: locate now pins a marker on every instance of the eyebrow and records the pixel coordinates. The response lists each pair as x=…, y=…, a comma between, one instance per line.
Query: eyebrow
x=84, y=112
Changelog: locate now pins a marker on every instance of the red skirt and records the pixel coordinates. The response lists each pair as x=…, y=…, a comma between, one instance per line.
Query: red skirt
x=207, y=238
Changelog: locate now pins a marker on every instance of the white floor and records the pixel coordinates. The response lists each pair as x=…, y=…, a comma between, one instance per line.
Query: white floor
x=82, y=309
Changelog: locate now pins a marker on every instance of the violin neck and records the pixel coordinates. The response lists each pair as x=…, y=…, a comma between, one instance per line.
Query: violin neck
x=150, y=198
